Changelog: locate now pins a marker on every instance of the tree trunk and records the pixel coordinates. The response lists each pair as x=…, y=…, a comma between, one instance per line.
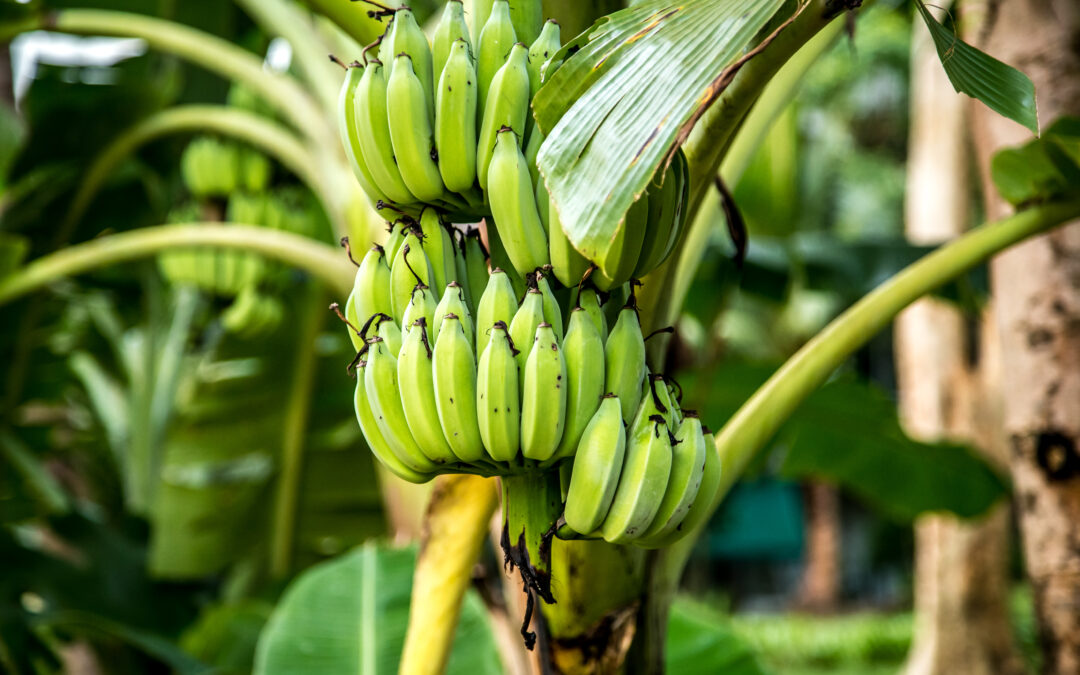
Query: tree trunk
x=1036, y=288
x=961, y=584
x=820, y=586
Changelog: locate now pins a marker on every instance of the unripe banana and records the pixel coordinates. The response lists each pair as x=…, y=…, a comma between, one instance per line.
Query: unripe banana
x=350, y=316
x=350, y=138
x=687, y=469
x=617, y=265
x=671, y=416
x=584, y=353
x=543, y=399
x=481, y=10
x=453, y=302
x=497, y=397
x=384, y=395
x=371, y=287
x=372, y=123
x=408, y=38
x=450, y=29
x=395, y=237
x=541, y=50
x=506, y=105
x=527, y=17
x=411, y=132
x=492, y=47
x=676, y=403
x=383, y=326
x=597, y=465
x=552, y=311
x=498, y=303
x=438, y=246
x=455, y=390
x=702, y=506
x=513, y=205
x=567, y=263
x=650, y=406
x=421, y=305
x=456, y=103
x=417, y=388
x=476, y=267
x=374, y=436
x=523, y=327
x=500, y=259
x=543, y=200
x=663, y=201
x=642, y=483
x=589, y=300
x=624, y=361
x=410, y=267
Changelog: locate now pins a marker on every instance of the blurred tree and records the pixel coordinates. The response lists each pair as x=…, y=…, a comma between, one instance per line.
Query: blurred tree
x=1036, y=288
x=961, y=583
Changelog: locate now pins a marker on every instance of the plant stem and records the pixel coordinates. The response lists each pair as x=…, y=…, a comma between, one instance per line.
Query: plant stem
x=260, y=132
x=322, y=261
x=278, y=17
x=294, y=434
x=213, y=53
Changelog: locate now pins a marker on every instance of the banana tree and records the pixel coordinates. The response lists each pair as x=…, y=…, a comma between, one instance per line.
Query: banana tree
x=715, y=74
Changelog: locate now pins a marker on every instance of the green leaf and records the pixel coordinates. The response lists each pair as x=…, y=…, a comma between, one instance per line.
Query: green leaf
x=349, y=616
x=848, y=433
x=701, y=640
x=1004, y=89
x=1045, y=168
x=614, y=110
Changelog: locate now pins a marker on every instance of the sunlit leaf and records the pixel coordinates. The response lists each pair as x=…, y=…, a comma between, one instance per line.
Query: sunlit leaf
x=1045, y=168
x=614, y=111
x=1004, y=89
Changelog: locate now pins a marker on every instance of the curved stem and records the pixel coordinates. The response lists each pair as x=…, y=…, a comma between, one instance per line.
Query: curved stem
x=351, y=17
x=310, y=53
x=322, y=261
x=260, y=132
x=210, y=52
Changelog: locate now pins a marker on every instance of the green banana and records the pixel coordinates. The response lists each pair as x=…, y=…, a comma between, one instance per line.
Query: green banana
x=476, y=267
x=597, y=466
x=388, y=332
x=394, y=238
x=497, y=397
x=408, y=38
x=411, y=132
x=513, y=206
x=617, y=265
x=642, y=483
x=540, y=51
x=676, y=403
x=453, y=302
x=671, y=416
x=584, y=353
x=527, y=17
x=663, y=201
x=374, y=436
x=702, y=506
x=506, y=105
x=372, y=123
x=384, y=396
x=492, y=47
x=417, y=388
x=552, y=311
x=455, y=390
x=450, y=29
x=624, y=360
x=589, y=300
x=543, y=398
x=567, y=263
x=523, y=327
x=350, y=316
x=410, y=267
x=350, y=138
x=500, y=259
x=498, y=303
x=687, y=469
x=421, y=306
x=371, y=287
x=438, y=246
x=455, y=118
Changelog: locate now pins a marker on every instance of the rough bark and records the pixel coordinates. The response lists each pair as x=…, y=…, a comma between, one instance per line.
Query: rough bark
x=961, y=578
x=1036, y=288
x=820, y=586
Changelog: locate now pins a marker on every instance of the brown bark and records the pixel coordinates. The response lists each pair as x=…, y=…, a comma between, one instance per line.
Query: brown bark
x=820, y=589
x=1036, y=287
x=960, y=566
